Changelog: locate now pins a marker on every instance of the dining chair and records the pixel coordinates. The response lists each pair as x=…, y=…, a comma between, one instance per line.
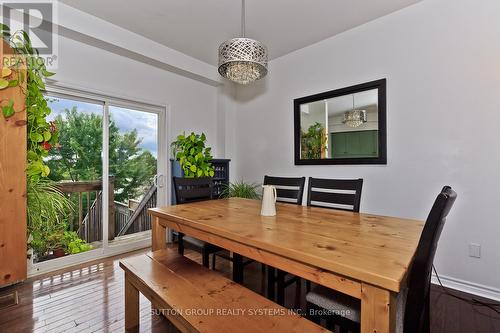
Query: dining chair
x=414, y=311
x=192, y=190
x=343, y=194
x=288, y=190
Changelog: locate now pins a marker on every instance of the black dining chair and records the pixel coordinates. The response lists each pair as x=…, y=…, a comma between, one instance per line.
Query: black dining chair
x=288, y=190
x=192, y=190
x=343, y=194
x=415, y=311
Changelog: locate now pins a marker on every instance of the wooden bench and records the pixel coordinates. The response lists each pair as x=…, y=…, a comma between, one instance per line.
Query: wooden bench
x=196, y=299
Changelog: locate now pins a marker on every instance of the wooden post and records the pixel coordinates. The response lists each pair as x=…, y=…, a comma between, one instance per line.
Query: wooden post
x=132, y=316
x=159, y=235
x=13, y=267
x=80, y=209
x=111, y=207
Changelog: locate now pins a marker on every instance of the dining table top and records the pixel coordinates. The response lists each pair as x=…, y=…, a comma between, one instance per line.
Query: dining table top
x=369, y=248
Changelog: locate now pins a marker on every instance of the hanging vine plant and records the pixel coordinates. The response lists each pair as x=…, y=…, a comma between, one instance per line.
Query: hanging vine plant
x=42, y=135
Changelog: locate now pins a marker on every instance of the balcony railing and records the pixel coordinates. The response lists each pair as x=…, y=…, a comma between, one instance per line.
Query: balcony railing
x=122, y=219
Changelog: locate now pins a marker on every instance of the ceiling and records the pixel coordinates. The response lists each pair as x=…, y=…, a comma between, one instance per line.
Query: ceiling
x=197, y=27
x=362, y=100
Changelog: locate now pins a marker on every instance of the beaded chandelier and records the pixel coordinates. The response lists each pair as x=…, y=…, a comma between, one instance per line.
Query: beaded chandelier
x=242, y=60
x=355, y=117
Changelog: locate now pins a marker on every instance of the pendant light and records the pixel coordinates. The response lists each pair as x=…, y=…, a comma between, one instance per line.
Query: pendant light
x=242, y=60
x=355, y=117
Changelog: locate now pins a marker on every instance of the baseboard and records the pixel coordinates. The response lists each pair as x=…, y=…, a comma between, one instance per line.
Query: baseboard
x=468, y=287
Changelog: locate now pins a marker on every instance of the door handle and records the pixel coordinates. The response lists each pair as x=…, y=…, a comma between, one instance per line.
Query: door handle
x=159, y=180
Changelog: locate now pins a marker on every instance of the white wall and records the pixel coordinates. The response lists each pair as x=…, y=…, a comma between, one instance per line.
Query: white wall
x=441, y=59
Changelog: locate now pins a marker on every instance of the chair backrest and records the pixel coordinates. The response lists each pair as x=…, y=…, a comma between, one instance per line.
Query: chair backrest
x=416, y=318
x=344, y=194
x=192, y=189
x=290, y=190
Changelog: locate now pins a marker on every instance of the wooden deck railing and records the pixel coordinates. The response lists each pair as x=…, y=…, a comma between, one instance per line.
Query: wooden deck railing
x=122, y=214
x=89, y=224
x=122, y=218
x=140, y=219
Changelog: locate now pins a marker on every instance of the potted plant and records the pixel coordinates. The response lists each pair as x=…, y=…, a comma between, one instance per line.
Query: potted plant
x=56, y=243
x=193, y=156
x=74, y=244
x=47, y=209
x=313, y=142
x=241, y=189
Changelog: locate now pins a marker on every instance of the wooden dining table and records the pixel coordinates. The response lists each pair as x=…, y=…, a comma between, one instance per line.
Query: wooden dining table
x=362, y=255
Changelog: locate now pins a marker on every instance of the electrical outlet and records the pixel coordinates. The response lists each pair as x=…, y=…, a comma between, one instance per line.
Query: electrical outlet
x=474, y=250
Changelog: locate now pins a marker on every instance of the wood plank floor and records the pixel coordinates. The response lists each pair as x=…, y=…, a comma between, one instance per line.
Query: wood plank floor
x=89, y=298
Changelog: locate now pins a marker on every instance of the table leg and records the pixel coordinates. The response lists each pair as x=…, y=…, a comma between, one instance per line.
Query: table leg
x=280, y=284
x=159, y=235
x=131, y=306
x=378, y=310
x=237, y=268
x=271, y=280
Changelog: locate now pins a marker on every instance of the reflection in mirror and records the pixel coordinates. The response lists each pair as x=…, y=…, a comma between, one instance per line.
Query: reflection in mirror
x=342, y=126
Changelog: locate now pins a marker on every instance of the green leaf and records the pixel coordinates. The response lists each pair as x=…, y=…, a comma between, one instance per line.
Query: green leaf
x=45, y=171
x=41, y=84
x=3, y=83
x=6, y=71
x=13, y=83
x=26, y=37
x=47, y=135
x=46, y=73
x=8, y=111
x=193, y=168
x=32, y=155
x=36, y=137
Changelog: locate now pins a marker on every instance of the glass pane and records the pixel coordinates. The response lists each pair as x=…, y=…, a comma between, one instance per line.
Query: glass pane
x=340, y=127
x=75, y=164
x=133, y=152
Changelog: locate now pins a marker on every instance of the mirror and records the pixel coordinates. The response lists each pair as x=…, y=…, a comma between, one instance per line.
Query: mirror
x=343, y=126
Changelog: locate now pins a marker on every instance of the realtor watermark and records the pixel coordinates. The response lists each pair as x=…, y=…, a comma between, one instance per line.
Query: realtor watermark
x=247, y=312
x=38, y=19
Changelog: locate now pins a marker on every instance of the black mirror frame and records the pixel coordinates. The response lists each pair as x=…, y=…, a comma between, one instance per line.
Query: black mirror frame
x=382, y=125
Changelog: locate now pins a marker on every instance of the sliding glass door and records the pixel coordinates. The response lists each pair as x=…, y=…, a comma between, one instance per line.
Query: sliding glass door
x=109, y=163
x=75, y=164
x=133, y=168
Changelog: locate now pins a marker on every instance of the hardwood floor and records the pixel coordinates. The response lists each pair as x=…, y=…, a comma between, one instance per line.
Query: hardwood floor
x=451, y=315
x=90, y=299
